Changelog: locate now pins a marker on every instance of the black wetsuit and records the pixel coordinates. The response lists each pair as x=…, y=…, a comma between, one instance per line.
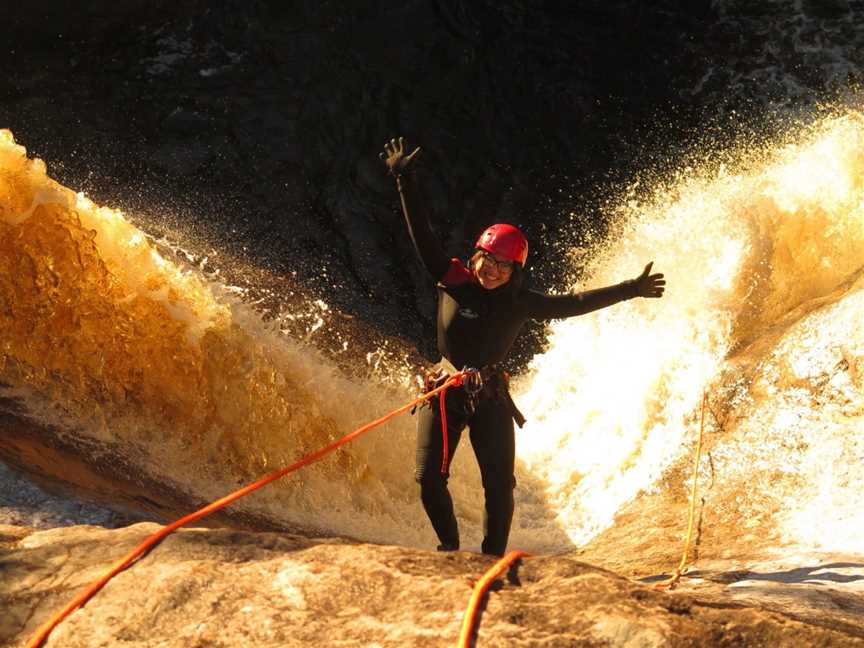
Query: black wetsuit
x=476, y=328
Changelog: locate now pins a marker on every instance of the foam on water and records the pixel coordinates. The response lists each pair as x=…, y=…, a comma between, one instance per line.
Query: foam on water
x=104, y=338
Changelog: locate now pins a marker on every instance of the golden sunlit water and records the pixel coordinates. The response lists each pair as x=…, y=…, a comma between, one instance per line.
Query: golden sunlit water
x=106, y=340
x=763, y=311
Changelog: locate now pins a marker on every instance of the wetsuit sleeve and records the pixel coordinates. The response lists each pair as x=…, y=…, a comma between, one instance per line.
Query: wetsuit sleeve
x=545, y=307
x=416, y=214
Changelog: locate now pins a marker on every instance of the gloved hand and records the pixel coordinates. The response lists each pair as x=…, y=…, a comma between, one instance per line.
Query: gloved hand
x=394, y=156
x=650, y=285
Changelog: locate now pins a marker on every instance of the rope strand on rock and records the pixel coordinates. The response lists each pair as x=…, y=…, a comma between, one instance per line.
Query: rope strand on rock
x=45, y=629
x=672, y=582
x=468, y=621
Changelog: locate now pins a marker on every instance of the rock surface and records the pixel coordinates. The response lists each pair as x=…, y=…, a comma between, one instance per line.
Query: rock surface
x=205, y=587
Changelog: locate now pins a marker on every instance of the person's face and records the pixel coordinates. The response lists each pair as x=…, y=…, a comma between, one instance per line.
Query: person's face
x=492, y=270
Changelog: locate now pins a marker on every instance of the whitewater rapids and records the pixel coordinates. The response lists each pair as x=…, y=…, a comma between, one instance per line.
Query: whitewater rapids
x=120, y=356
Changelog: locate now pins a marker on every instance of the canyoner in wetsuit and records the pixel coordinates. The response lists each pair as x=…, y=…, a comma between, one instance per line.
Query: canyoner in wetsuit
x=482, y=306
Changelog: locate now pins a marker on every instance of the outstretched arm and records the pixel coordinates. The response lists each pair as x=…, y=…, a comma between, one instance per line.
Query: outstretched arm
x=561, y=306
x=415, y=210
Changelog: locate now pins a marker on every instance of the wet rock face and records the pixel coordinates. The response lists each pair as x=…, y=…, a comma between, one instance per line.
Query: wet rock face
x=259, y=123
x=229, y=588
x=778, y=53
x=253, y=127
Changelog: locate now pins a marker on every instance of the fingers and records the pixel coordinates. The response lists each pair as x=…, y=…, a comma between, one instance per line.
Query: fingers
x=395, y=146
x=413, y=153
x=651, y=285
x=655, y=287
x=394, y=155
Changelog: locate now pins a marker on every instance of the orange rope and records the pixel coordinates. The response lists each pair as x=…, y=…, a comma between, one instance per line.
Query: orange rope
x=45, y=629
x=672, y=582
x=477, y=595
x=442, y=409
x=445, y=450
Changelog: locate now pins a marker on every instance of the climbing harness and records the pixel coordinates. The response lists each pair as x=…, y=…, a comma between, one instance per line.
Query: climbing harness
x=490, y=381
x=45, y=629
x=470, y=380
x=473, y=383
x=468, y=621
x=672, y=582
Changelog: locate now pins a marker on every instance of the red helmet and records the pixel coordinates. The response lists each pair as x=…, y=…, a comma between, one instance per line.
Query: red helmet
x=505, y=241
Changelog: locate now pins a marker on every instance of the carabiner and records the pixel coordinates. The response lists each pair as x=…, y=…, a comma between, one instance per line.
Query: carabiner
x=473, y=381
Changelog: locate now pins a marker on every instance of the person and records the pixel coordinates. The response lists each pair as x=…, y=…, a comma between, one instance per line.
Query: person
x=482, y=305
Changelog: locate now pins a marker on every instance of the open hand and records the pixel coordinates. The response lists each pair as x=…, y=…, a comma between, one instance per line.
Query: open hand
x=394, y=156
x=650, y=285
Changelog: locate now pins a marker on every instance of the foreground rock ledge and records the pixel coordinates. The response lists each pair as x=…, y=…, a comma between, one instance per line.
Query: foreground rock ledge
x=206, y=587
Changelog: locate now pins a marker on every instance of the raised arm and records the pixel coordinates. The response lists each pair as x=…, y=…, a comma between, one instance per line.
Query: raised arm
x=560, y=306
x=414, y=208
